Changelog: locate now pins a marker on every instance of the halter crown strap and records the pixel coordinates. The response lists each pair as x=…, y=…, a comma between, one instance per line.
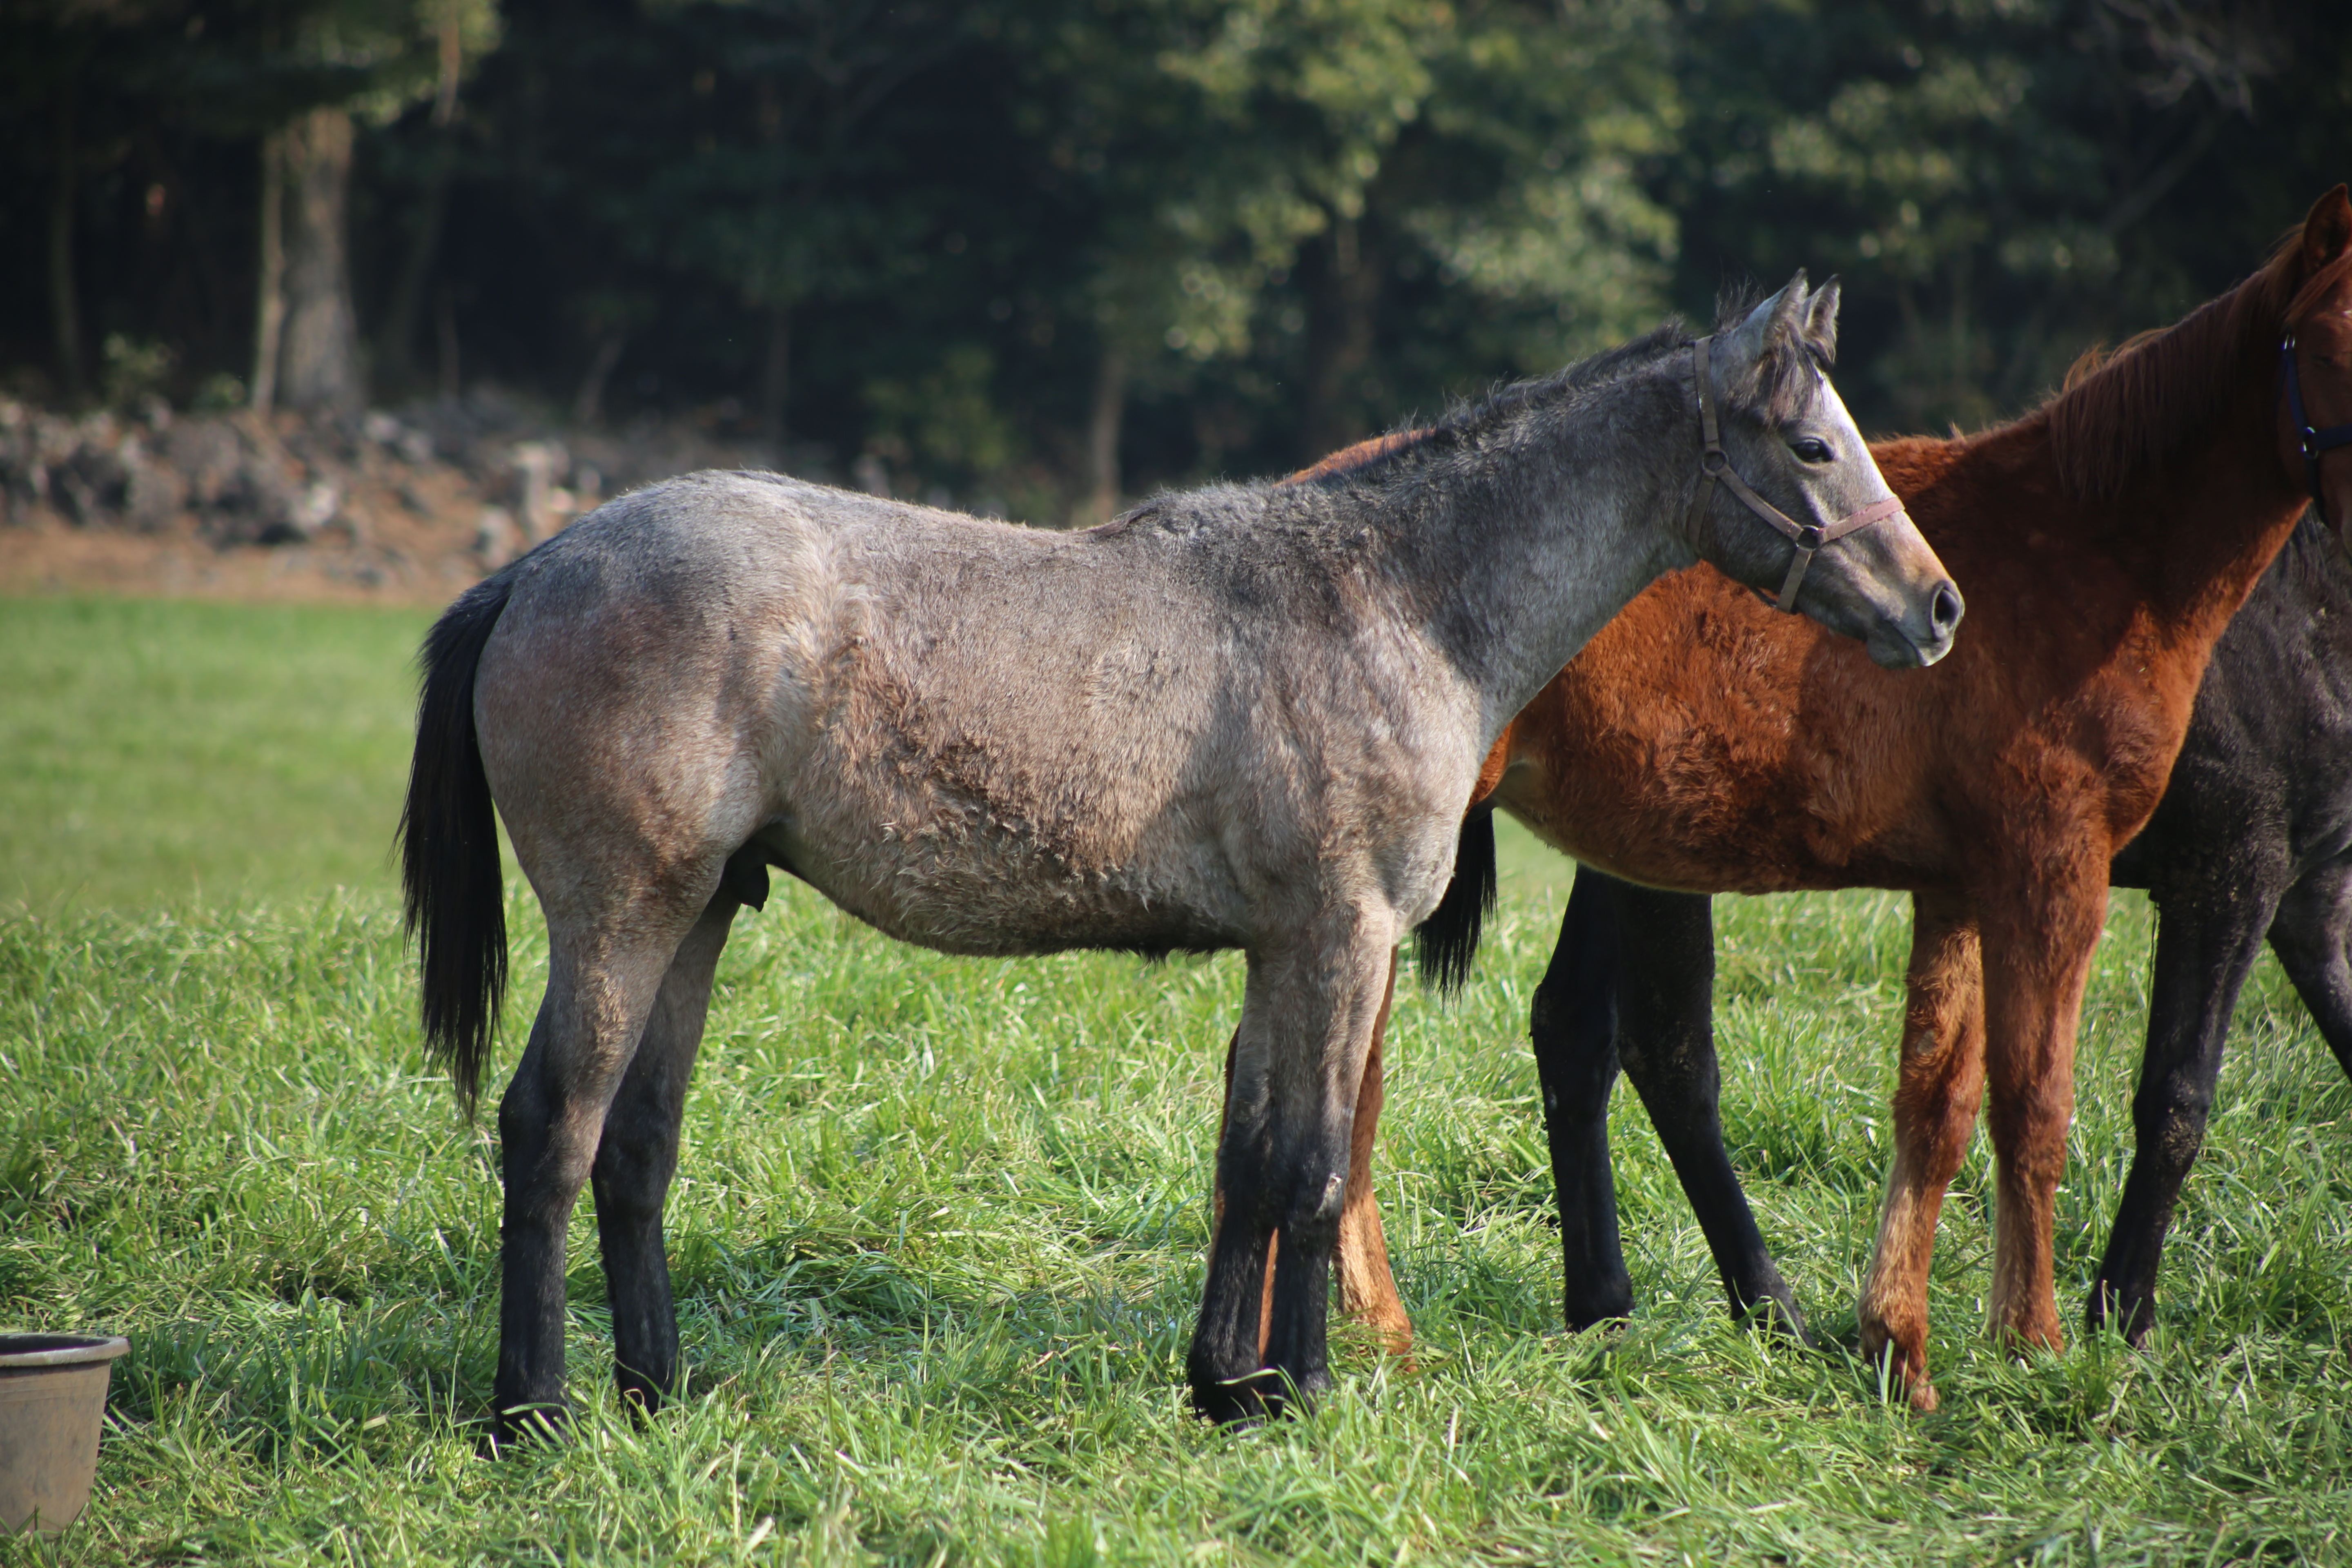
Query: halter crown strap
x=1714, y=464
x=2313, y=444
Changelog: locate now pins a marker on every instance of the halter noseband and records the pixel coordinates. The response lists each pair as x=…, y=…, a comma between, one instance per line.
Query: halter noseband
x=2313, y=444
x=1714, y=465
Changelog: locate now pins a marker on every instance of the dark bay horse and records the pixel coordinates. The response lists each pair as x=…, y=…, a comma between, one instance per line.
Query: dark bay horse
x=1240, y=717
x=1697, y=745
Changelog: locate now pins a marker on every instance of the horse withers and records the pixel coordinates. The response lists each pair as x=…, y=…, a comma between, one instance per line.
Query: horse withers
x=1239, y=717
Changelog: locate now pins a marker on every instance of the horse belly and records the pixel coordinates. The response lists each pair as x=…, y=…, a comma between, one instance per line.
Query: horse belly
x=1012, y=900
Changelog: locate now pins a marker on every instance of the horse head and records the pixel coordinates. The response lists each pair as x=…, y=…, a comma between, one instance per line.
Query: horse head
x=1784, y=448
x=2315, y=364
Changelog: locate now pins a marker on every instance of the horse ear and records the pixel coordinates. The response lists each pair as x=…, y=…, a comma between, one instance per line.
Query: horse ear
x=1821, y=321
x=1772, y=323
x=2328, y=231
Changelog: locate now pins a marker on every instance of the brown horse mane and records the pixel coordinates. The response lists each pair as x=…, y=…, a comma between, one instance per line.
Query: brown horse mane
x=2124, y=412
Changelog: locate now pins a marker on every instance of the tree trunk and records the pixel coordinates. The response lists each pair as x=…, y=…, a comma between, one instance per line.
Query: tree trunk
x=1102, y=439
x=1341, y=288
x=396, y=345
x=65, y=304
x=589, y=406
x=322, y=357
x=269, y=307
x=396, y=342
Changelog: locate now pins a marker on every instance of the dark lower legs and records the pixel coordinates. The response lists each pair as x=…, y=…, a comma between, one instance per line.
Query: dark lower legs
x=2206, y=941
x=636, y=1159
x=1282, y=1167
x=1632, y=983
x=589, y=1096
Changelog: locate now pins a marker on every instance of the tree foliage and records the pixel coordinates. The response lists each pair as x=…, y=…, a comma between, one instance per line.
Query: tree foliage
x=1015, y=248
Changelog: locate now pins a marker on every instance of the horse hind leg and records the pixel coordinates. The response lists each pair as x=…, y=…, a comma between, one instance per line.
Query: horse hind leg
x=1573, y=1029
x=637, y=1157
x=2309, y=935
x=1940, y=1086
x=1665, y=1039
x=605, y=976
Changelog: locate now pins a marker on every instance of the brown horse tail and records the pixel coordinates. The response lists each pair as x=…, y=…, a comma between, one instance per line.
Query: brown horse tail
x=1448, y=940
x=453, y=887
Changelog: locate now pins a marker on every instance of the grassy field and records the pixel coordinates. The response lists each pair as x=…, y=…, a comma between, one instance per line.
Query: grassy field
x=938, y=1236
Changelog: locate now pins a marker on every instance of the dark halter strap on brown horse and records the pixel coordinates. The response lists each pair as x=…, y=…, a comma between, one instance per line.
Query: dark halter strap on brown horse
x=1713, y=465
x=2312, y=444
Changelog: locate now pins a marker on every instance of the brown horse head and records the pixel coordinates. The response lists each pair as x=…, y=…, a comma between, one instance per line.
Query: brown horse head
x=2316, y=370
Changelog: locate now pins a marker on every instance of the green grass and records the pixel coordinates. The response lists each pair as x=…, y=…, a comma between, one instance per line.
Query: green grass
x=184, y=752
x=938, y=1241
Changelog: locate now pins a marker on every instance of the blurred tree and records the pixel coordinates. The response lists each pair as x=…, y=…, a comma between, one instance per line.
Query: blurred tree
x=1999, y=182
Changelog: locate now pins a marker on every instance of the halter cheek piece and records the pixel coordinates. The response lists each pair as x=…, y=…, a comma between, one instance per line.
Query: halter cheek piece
x=2313, y=444
x=1714, y=465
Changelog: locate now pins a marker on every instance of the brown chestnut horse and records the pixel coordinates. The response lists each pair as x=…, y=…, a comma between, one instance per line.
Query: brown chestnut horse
x=1705, y=745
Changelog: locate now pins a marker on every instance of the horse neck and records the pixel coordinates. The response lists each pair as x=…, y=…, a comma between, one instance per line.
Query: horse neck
x=1543, y=532
x=2200, y=529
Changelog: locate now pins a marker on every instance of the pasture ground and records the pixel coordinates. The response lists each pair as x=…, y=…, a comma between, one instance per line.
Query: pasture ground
x=938, y=1236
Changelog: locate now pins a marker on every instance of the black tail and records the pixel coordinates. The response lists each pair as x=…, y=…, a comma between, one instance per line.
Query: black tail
x=451, y=883
x=1448, y=940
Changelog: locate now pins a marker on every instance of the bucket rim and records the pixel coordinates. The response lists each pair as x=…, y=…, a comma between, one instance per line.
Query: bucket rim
x=25, y=1352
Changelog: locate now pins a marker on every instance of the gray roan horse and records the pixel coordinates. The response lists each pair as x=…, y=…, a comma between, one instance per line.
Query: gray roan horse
x=1246, y=716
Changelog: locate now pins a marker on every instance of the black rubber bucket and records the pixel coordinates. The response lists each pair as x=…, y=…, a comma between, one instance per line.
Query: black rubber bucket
x=52, y=1403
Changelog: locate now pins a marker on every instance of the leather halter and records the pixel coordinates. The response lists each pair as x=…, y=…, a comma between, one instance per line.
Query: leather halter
x=1713, y=465
x=2313, y=444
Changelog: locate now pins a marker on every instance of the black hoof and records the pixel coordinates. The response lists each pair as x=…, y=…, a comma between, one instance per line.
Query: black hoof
x=1267, y=1394
x=1238, y=1401
x=641, y=1396
x=2135, y=1314
x=522, y=1424
x=1779, y=1318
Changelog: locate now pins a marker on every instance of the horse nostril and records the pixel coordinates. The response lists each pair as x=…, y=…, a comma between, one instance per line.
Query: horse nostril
x=1944, y=609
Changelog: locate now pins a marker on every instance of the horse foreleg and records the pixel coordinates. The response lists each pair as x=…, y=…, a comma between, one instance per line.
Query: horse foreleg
x=2037, y=957
x=639, y=1156
x=1940, y=1083
x=1282, y=1164
x=601, y=987
x=1665, y=1022
x=1573, y=1027
x=1368, y=1292
x=2308, y=935
x=1217, y=1204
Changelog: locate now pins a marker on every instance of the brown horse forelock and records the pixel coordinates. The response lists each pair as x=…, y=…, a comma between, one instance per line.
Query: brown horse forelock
x=2121, y=413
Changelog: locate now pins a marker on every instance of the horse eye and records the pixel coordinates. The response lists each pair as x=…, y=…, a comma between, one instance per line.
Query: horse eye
x=1811, y=450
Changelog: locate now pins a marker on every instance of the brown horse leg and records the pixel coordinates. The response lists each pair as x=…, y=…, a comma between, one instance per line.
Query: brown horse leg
x=2037, y=957
x=1367, y=1293
x=1941, y=1081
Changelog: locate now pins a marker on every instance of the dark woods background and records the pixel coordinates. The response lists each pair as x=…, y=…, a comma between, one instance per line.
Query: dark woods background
x=1039, y=254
